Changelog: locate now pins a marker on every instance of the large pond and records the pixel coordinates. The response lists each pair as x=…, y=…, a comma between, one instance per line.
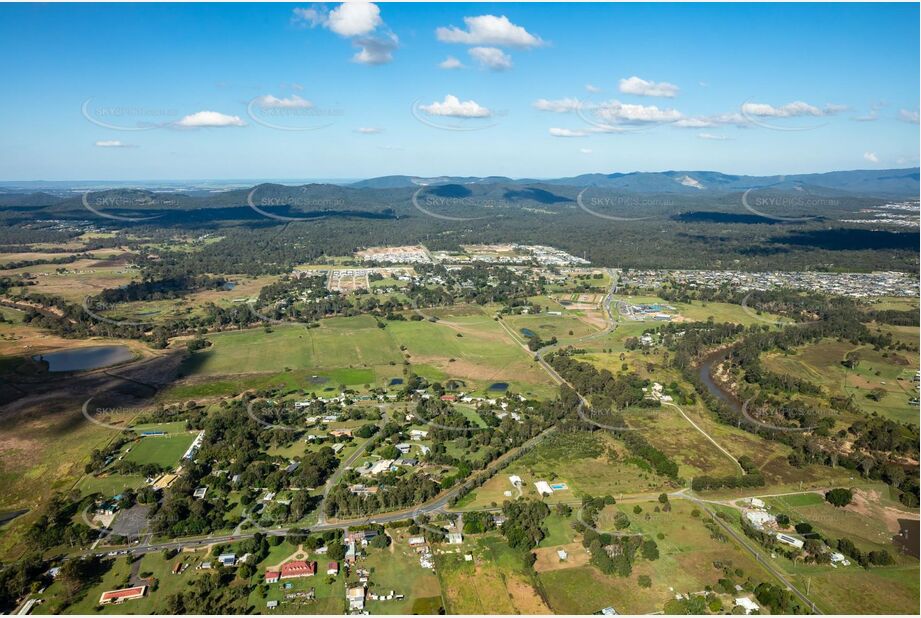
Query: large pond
x=82, y=359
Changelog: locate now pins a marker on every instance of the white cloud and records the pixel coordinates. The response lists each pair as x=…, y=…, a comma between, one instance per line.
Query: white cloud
x=375, y=50
x=585, y=150
x=111, y=143
x=207, y=118
x=491, y=58
x=615, y=111
x=452, y=106
x=907, y=115
x=348, y=19
x=489, y=30
x=555, y=132
x=592, y=88
x=357, y=21
x=368, y=130
x=695, y=123
x=558, y=105
x=450, y=63
x=871, y=157
x=790, y=110
x=269, y=101
x=643, y=88
x=713, y=136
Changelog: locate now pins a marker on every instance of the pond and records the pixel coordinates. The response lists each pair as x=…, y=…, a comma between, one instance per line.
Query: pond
x=498, y=386
x=527, y=332
x=396, y=381
x=907, y=538
x=83, y=359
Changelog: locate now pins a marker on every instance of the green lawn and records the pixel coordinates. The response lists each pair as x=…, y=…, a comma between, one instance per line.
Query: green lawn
x=165, y=451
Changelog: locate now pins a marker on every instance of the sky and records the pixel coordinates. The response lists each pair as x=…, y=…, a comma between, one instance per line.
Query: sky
x=357, y=90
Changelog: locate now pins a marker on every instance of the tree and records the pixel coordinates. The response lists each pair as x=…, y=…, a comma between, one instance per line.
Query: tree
x=839, y=496
x=644, y=581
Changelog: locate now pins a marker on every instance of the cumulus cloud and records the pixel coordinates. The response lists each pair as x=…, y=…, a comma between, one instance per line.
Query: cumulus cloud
x=348, y=19
x=269, y=101
x=614, y=111
x=489, y=30
x=790, y=110
x=871, y=157
x=638, y=86
x=368, y=130
x=209, y=119
x=907, y=115
x=558, y=105
x=357, y=21
x=491, y=58
x=450, y=63
x=111, y=143
x=556, y=132
x=592, y=88
x=454, y=107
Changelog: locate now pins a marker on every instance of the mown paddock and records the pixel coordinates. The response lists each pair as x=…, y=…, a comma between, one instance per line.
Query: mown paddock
x=494, y=582
x=354, y=351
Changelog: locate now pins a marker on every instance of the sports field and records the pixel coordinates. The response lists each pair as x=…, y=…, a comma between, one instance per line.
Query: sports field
x=161, y=450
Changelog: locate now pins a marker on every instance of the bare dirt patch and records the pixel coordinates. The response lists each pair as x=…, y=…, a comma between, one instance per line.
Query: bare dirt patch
x=549, y=560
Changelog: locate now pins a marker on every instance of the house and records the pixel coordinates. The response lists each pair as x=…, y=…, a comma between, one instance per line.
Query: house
x=747, y=604
x=562, y=554
x=272, y=577
x=341, y=433
x=120, y=596
x=199, y=493
x=789, y=540
x=608, y=611
x=403, y=448
x=756, y=503
x=543, y=488
x=383, y=465
x=516, y=480
x=177, y=568
x=332, y=568
x=356, y=597
x=292, y=467
x=298, y=568
x=416, y=541
x=271, y=605
x=759, y=518
x=338, y=446
x=227, y=560
x=417, y=434
x=409, y=461
x=455, y=538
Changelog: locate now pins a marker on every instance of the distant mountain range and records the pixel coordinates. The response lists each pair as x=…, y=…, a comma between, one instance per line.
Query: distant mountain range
x=901, y=183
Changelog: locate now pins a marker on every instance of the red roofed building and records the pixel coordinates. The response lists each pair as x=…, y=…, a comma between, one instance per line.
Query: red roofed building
x=125, y=594
x=272, y=576
x=298, y=568
x=448, y=398
x=332, y=568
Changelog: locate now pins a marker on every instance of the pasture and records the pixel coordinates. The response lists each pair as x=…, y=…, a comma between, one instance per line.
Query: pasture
x=687, y=552
x=892, y=374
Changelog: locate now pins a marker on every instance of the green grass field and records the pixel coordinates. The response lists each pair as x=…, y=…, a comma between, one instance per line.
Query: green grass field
x=164, y=451
x=687, y=553
x=354, y=352
x=821, y=363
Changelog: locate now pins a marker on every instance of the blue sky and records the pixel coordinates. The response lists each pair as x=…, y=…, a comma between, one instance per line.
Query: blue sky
x=324, y=91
